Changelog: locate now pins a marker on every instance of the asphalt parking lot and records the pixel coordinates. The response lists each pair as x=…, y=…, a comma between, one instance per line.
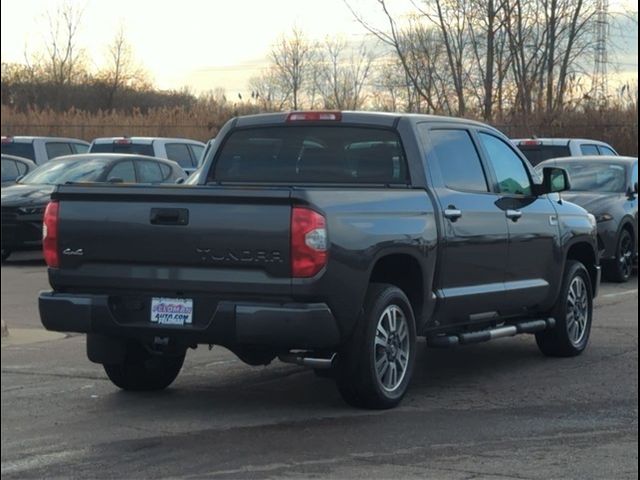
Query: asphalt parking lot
x=497, y=410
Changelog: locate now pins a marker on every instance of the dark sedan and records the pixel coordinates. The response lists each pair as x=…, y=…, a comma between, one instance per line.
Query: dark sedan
x=23, y=203
x=607, y=187
x=15, y=167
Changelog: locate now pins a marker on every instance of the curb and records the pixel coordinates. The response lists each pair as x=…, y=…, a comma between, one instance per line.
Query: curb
x=5, y=329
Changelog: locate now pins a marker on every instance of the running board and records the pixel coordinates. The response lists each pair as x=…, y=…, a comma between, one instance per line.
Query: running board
x=306, y=361
x=466, y=338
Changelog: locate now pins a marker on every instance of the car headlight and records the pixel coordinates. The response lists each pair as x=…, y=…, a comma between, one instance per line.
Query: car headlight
x=32, y=210
x=604, y=217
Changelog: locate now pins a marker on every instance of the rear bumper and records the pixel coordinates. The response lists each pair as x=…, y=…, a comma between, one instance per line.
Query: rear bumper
x=280, y=326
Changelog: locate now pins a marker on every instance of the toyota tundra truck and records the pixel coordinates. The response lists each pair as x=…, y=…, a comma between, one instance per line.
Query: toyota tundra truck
x=329, y=240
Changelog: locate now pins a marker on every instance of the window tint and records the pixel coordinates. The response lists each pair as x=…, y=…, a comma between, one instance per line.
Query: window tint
x=149, y=172
x=318, y=154
x=80, y=147
x=9, y=170
x=539, y=153
x=197, y=152
x=606, y=150
x=589, y=150
x=58, y=149
x=511, y=173
x=135, y=148
x=123, y=170
x=19, y=149
x=458, y=160
x=179, y=152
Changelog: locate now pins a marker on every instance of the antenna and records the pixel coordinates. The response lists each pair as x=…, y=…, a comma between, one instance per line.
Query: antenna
x=600, y=86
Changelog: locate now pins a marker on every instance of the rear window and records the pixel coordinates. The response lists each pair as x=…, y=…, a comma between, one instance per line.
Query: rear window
x=305, y=154
x=539, y=153
x=19, y=149
x=135, y=148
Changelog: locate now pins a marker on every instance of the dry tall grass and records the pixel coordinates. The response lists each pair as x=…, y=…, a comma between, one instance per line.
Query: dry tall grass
x=615, y=125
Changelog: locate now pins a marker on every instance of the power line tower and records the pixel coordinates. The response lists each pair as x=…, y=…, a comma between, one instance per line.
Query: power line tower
x=600, y=67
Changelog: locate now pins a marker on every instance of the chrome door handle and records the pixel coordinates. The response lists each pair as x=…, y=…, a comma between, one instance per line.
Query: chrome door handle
x=514, y=215
x=452, y=214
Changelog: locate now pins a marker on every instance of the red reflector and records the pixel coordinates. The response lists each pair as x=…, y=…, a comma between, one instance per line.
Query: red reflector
x=529, y=143
x=122, y=141
x=308, y=242
x=50, y=235
x=7, y=139
x=314, y=116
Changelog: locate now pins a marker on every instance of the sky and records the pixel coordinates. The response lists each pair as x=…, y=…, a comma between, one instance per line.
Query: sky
x=206, y=44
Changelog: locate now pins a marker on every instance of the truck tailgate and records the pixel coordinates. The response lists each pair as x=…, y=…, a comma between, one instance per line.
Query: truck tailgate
x=173, y=239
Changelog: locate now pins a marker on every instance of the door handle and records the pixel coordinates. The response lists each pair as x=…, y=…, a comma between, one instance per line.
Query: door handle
x=452, y=213
x=169, y=216
x=514, y=215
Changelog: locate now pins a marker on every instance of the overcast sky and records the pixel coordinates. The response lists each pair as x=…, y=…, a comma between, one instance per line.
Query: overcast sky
x=206, y=44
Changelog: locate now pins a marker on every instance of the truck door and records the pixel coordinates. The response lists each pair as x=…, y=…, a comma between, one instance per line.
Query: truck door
x=535, y=265
x=473, y=260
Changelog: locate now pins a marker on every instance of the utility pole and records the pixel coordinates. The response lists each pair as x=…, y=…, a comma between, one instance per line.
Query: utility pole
x=600, y=88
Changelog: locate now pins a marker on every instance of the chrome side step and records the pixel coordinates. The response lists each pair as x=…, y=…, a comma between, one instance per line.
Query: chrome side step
x=307, y=361
x=466, y=338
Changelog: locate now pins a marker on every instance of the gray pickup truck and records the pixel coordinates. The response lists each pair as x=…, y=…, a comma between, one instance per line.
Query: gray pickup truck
x=330, y=240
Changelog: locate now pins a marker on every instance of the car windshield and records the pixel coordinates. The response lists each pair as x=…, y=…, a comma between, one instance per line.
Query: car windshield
x=596, y=176
x=57, y=172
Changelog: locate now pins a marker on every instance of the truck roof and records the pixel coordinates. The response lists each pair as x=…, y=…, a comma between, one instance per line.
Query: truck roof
x=31, y=138
x=145, y=140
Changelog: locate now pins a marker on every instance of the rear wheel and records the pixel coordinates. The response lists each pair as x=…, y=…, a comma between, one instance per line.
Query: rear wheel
x=142, y=370
x=621, y=268
x=573, y=313
x=375, y=366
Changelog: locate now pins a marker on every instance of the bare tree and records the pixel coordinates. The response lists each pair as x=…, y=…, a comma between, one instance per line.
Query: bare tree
x=291, y=57
x=121, y=69
x=269, y=90
x=64, y=59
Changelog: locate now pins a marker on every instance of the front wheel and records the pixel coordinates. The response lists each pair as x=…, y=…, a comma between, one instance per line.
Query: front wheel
x=375, y=366
x=573, y=313
x=142, y=370
x=621, y=268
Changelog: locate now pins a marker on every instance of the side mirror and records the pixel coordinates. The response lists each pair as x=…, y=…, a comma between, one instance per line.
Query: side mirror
x=115, y=180
x=180, y=181
x=18, y=178
x=632, y=192
x=554, y=180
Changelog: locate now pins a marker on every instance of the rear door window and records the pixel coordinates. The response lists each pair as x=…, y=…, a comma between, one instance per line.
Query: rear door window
x=312, y=154
x=23, y=168
x=457, y=160
x=589, y=149
x=80, y=147
x=149, y=172
x=123, y=170
x=179, y=152
x=58, y=149
x=196, y=151
x=604, y=150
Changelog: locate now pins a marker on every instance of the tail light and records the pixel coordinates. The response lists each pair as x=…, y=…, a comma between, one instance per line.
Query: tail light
x=308, y=242
x=50, y=235
x=315, y=116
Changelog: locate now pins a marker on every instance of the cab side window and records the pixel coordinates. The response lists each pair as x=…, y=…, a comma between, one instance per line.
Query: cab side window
x=606, y=151
x=58, y=149
x=513, y=177
x=179, y=152
x=589, y=150
x=458, y=160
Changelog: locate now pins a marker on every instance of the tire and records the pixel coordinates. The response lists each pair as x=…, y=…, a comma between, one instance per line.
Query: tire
x=573, y=313
x=5, y=254
x=620, y=269
x=360, y=383
x=144, y=371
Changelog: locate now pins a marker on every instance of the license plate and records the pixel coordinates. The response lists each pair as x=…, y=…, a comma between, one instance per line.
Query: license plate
x=172, y=311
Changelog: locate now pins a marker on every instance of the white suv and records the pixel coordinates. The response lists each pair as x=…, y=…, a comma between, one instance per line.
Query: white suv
x=540, y=149
x=185, y=152
x=42, y=149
